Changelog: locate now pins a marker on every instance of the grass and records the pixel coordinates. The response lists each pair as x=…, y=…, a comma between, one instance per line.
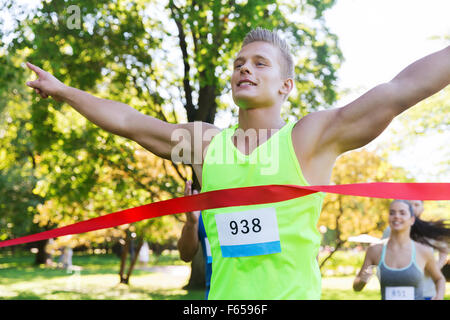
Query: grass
x=98, y=279
x=342, y=263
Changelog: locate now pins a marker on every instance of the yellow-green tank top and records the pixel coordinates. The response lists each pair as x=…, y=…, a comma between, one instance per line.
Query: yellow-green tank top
x=261, y=251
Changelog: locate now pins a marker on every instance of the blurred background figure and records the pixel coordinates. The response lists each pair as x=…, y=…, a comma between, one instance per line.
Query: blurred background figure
x=194, y=232
x=405, y=256
x=144, y=255
x=66, y=257
x=441, y=248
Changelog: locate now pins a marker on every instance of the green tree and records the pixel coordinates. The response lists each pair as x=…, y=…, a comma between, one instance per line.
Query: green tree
x=166, y=59
x=350, y=216
x=17, y=157
x=429, y=119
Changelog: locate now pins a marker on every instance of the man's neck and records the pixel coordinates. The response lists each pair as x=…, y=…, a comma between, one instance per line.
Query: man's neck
x=260, y=118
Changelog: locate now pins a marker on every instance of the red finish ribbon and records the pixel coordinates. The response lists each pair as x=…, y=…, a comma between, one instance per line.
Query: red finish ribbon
x=242, y=197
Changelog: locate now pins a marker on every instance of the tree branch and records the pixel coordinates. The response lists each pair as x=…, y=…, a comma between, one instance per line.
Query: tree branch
x=339, y=241
x=189, y=106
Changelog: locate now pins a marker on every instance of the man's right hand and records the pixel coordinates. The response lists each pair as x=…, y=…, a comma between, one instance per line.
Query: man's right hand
x=46, y=85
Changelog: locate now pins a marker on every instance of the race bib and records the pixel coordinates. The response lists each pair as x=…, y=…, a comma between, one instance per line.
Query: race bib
x=248, y=233
x=399, y=293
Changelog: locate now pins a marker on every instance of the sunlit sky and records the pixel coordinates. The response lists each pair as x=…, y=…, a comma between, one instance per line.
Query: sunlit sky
x=378, y=39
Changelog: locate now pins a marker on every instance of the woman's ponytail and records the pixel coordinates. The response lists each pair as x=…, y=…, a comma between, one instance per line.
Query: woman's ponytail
x=424, y=231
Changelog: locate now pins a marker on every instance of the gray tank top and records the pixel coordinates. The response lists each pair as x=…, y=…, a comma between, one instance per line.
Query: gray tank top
x=399, y=283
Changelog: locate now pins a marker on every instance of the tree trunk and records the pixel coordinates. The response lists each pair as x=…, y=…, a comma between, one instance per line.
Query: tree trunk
x=123, y=259
x=205, y=112
x=339, y=241
x=197, y=278
x=207, y=105
x=133, y=261
x=133, y=258
x=41, y=255
x=338, y=246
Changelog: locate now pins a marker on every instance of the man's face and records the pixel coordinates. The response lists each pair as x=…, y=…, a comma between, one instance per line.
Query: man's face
x=417, y=207
x=256, y=81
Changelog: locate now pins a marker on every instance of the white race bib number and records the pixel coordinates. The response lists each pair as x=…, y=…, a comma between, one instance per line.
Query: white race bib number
x=248, y=233
x=399, y=293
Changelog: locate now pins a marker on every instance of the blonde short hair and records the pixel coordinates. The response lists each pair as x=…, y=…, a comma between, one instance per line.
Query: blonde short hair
x=260, y=34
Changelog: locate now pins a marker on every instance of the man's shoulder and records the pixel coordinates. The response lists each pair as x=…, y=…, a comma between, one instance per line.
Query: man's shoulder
x=309, y=134
x=314, y=122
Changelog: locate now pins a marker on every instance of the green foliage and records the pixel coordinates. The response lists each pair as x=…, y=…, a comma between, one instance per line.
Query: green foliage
x=79, y=170
x=17, y=163
x=351, y=216
x=69, y=170
x=422, y=133
x=211, y=34
x=430, y=116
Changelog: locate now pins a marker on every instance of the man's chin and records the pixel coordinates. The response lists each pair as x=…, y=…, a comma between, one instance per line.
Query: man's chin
x=246, y=103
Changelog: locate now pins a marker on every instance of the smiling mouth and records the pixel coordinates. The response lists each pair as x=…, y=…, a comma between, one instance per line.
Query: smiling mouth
x=246, y=82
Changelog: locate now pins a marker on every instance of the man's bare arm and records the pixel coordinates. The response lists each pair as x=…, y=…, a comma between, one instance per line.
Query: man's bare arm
x=116, y=117
x=362, y=120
